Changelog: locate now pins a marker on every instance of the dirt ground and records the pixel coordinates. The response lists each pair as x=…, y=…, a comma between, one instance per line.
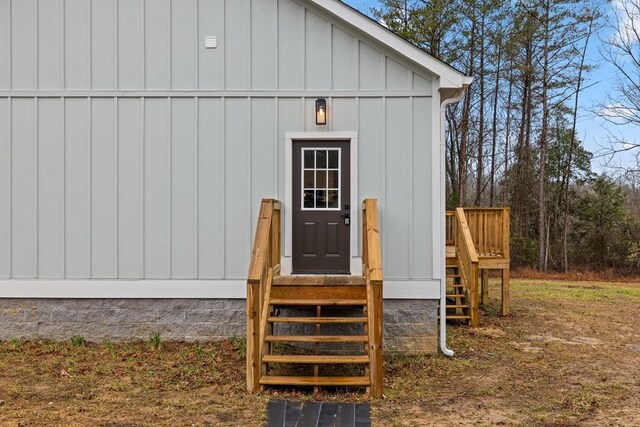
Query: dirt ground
x=568, y=355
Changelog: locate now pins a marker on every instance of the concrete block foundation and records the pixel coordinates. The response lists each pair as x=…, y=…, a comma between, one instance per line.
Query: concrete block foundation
x=410, y=326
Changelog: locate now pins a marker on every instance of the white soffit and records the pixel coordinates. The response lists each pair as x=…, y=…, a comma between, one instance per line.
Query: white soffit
x=450, y=78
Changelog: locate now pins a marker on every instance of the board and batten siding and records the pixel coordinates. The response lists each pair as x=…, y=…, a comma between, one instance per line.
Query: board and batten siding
x=129, y=151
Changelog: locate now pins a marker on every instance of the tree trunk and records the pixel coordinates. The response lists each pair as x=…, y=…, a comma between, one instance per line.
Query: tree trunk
x=494, y=126
x=542, y=177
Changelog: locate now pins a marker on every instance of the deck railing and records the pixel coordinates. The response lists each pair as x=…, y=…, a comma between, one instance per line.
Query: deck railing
x=468, y=263
x=488, y=227
x=372, y=271
x=265, y=265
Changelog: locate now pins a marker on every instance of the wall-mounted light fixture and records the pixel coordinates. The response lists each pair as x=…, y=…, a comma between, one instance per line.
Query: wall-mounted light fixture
x=321, y=111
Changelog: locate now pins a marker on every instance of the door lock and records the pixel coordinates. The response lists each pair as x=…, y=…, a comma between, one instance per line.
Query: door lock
x=347, y=218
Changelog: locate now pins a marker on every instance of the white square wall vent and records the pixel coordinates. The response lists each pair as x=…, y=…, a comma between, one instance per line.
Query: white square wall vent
x=211, y=42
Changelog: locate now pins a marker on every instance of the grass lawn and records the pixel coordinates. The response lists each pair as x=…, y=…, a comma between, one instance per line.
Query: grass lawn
x=568, y=355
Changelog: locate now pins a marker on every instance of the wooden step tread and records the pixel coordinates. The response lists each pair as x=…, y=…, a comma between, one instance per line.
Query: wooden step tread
x=315, y=358
x=456, y=296
x=319, y=280
x=279, y=319
x=316, y=338
x=319, y=381
x=457, y=305
x=318, y=301
x=458, y=317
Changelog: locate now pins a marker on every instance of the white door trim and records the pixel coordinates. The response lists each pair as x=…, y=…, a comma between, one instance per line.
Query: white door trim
x=352, y=137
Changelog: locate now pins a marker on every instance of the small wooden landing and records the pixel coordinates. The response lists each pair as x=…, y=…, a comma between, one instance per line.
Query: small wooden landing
x=318, y=280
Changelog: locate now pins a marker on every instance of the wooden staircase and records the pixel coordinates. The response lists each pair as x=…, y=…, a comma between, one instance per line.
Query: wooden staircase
x=458, y=307
x=305, y=306
x=291, y=320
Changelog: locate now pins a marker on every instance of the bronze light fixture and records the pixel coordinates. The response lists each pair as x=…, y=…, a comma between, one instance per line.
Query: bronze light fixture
x=321, y=111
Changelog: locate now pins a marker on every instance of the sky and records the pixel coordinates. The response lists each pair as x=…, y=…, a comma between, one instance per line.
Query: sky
x=594, y=132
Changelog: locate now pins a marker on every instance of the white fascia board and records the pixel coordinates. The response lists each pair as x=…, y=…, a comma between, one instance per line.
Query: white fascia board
x=178, y=289
x=450, y=78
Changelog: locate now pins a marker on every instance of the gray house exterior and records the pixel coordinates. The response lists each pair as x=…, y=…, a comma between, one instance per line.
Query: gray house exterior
x=134, y=155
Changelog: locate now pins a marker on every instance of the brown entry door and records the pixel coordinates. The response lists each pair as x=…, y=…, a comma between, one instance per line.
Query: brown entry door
x=321, y=207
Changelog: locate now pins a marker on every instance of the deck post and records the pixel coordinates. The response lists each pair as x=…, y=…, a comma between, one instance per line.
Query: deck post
x=253, y=337
x=506, y=309
x=375, y=353
x=484, y=297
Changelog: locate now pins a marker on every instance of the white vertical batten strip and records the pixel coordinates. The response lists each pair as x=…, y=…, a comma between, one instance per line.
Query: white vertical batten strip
x=170, y=134
x=197, y=178
x=143, y=134
x=116, y=141
x=411, y=185
x=63, y=113
x=36, y=129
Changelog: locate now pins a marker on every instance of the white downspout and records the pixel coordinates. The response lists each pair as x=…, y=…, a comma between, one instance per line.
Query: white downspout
x=443, y=273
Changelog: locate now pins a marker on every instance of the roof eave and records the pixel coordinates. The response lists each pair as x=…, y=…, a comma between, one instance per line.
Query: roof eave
x=450, y=78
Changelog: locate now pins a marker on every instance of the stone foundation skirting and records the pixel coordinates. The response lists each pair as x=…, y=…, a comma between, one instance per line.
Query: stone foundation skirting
x=410, y=326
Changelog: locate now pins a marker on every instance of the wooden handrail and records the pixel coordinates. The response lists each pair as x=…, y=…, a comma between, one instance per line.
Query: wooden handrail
x=372, y=271
x=469, y=263
x=265, y=265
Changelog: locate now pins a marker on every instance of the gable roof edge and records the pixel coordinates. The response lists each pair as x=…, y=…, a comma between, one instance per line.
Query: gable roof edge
x=450, y=78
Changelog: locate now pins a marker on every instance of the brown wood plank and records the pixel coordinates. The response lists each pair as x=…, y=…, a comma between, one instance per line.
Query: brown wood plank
x=253, y=338
x=318, y=292
x=315, y=358
x=278, y=319
x=318, y=301
x=300, y=280
x=315, y=381
x=317, y=338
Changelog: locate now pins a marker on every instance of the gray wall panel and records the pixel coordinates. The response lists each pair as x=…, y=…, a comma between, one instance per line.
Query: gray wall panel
x=264, y=49
x=5, y=188
x=371, y=155
x=422, y=233
x=51, y=188
x=24, y=182
x=157, y=42
x=371, y=68
x=77, y=181
x=290, y=45
x=5, y=45
x=104, y=36
x=290, y=119
x=104, y=188
x=50, y=44
x=343, y=114
x=77, y=44
x=421, y=83
x=399, y=188
x=130, y=44
x=24, y=44
x=131, y=188
x=211, y=188
x=264, y=152
x=157, y=188
x=211, y=61
x=238, y=44
x=317, y=52
x=237, y=202
x=184, y=44
x=344, y=61
x=398, y=77
x=184, y=189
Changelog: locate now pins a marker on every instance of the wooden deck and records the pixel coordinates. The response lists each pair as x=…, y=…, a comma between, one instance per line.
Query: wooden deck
x=477, y=242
